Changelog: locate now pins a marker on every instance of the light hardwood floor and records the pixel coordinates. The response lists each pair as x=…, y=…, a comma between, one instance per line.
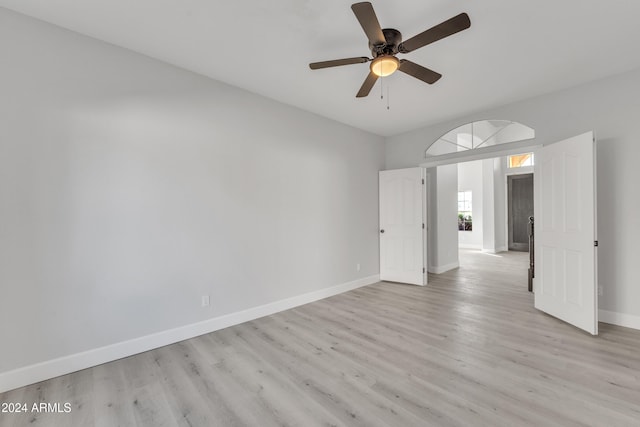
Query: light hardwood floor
x=467, y=350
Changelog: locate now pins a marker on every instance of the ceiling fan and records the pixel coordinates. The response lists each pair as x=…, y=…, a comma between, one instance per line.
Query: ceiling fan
x=386, y=43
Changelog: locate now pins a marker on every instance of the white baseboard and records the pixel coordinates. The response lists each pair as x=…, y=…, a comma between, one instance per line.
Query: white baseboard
x=469, y=246
x=494, y=250
x=620, y=319
x=439, y=269
x=64, y=365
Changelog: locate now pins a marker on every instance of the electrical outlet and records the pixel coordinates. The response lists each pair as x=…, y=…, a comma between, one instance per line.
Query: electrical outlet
x=358, y=267
x=600, y=291
x=205, y=301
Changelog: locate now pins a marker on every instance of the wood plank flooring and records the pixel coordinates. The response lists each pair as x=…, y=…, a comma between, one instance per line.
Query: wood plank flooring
x=467, y=350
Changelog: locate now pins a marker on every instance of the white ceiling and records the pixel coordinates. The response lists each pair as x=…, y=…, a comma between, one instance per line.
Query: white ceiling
x=513, y=50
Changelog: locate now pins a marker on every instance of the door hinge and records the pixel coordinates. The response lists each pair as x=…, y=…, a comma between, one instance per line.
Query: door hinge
x=423, y=225
x=424, y=270
x=422, y=181
x=595, y=243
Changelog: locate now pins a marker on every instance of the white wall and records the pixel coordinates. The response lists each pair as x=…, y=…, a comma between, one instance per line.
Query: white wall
x=443, y=245
x=489, y=217
x=610, y=107
x=501, y=235
x=470, y=178
x=130, y=188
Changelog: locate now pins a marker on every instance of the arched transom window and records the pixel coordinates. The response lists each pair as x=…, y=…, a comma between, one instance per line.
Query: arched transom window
x=480, y=134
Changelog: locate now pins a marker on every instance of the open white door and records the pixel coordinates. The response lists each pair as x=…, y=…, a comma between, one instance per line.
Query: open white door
x=565, y=283
x=402, y=226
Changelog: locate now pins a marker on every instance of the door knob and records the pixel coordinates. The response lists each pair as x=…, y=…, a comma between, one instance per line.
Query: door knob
x=382, y=231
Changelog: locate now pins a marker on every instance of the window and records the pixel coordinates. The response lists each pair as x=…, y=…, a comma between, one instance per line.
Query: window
x=464, y=211
x=521, y=160
x=477, y=135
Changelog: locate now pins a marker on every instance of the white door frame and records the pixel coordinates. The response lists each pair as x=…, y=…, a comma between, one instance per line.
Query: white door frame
x=426, y=218
x=490, y=152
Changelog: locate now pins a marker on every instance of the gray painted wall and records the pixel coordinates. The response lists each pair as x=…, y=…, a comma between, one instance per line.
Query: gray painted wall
x=130, y=188
x=470, y=178
x=611, y=108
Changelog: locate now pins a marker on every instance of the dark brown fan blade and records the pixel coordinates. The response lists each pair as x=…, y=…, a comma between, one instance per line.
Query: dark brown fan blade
x=440, y=31
x=419, y=72
x=367, y=85
x=338, y=62
x=367, y=17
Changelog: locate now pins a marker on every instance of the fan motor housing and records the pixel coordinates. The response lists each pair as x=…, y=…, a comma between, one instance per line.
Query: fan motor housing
x=393, y=38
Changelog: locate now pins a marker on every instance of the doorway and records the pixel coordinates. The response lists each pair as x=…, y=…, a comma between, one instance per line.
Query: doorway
x=501, y=190
x=565, y=281
x=520, y=208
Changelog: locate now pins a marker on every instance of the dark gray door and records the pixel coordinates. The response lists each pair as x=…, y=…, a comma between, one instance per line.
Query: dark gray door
x=520, y=194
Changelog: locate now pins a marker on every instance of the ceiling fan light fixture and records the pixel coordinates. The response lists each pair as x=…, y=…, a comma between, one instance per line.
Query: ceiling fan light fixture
x=386, y=43
x=384, y=65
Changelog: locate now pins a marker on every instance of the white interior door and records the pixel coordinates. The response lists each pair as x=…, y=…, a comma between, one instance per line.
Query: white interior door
x=565, y=283
x=402, y=226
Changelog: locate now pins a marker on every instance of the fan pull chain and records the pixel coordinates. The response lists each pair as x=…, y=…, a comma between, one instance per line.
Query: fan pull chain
x=382, y=92
x=387, y=97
